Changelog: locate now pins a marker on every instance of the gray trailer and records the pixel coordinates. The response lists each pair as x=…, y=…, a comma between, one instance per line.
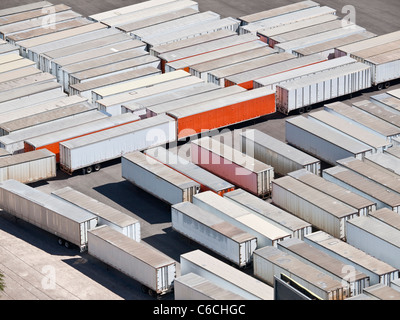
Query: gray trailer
x=158, y=179
x=69, y=223
x=281, y=156
x=216, y=234
x=29, y=167
x=107, y=215
x=225, y=276
x=377, y=270
x=142, y=262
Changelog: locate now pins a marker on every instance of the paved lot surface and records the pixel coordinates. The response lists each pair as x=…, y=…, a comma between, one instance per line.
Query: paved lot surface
x=28, y=254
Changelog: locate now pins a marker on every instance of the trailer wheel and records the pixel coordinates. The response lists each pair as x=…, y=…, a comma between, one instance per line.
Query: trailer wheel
x=387, y=85
x=308, y=108
x=144, y=288
x=301, y=110
x=89, y=170
x=60, y=241
x=66, y=244
x=97, y=167
x=380, y=86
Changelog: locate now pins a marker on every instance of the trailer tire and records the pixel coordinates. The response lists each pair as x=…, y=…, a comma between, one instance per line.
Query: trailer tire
x=144, y=288
x=387, y=85
x=60, y=241
x=67, y=245
x=308, y=108
x=301, y=110
x=97, y=167
x=89, y=170
x=380, y=86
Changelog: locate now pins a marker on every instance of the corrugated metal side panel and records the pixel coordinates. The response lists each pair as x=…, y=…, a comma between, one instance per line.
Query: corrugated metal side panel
x=103, y=248
x=211, y=238
x=373, y=243
x=30, y=171
x=290, y=201
x=113, y=143
x=225, y=276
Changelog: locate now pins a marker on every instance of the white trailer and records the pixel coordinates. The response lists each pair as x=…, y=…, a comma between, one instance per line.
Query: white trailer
x=270, y=261
x=69, y=223
x=363, y=205
x=327, y=264
x=157, y=179
x=322, y=142
x=376, y=238
x=281, y=156
x=139, y=261
x=364, y=187
x=322, y=86
x=377, y=270
x=107, y=215
x=90, y=151
x=282, y=219
x=267, y=233
x=29, y=167
x=225, y=276
x=321, y=210
x=364, y=120
x=377, y=143
x=191, y=286
x=214, y=233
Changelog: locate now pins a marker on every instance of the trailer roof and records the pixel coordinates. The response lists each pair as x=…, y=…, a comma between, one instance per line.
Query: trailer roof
x=278, y=11
x=241, y=215
x=291, y=17
x=218, y=54
x=336, y=191
x=377, y=228
x=189, y=169
x=206, y=27
x=387, y=100
x=220, y=102
x=139, y=250
x=158, y=18
x=301, y=269
x=280, y=147
x=369, y=43
x=171, y=106
x=324, y=75
x=233, y=59
x=350, y=252
x=363, y=118
x=203, y=47
x=214, y=222
x=25, y=157
x=95, y=207
x=151, y=91
x=25, y=7
x=229, y=274
x=328, y=134
x=85, y=128
x=365, y=185
x=159, y=169
x=387, y=216
x=274, y=68
x=201, y=39
x=384, y=57
x=131, y=17
x=290, y=46
x=312, y=195
x=47, y=201
x=264, y=208
x=252, y=64
x=320, y=259
x=378, y=111
x=382, y=176
x=117, y=131
x=298, y=25
x=207, y=287
x=349, y=128
x=332, y=44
